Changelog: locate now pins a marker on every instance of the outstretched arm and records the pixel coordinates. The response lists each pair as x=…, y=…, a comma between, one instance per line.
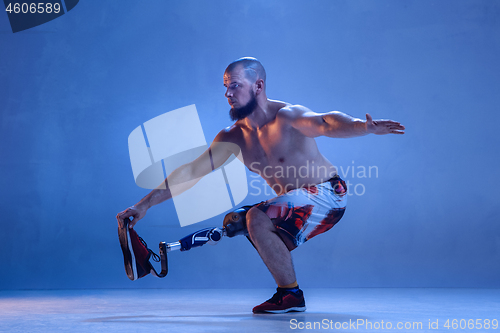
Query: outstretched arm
x=336, y=124
x=181, y=179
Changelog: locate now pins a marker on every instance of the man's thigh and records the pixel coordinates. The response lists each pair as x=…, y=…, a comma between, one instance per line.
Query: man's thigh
x=302, y=214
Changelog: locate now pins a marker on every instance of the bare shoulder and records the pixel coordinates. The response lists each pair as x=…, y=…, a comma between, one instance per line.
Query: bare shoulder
x=229, y=134
x=229, y=139
x=293, y=112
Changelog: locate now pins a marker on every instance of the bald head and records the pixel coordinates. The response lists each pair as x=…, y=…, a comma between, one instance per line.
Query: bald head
x=253, y=68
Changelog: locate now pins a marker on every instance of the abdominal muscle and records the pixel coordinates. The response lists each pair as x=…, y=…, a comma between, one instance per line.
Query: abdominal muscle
x=286, y=177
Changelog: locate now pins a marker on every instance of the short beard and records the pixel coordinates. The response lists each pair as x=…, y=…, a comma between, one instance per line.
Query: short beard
x=245, y=110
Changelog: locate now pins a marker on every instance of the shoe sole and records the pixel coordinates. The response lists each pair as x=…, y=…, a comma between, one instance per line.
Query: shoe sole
x=128, y=252
x=293, y=309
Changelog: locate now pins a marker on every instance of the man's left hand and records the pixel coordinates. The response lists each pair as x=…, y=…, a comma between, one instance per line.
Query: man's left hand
x=383, y=126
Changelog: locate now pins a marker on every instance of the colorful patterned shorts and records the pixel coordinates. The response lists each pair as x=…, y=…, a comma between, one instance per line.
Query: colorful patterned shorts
x=303, y=213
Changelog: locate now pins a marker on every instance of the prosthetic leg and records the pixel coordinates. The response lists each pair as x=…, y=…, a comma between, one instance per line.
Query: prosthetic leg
x=136, y=254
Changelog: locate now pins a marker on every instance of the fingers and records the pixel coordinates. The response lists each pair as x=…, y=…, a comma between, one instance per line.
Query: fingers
x=391, y=125
x=132, y=223
x=369, y=118
x=123, y=215
x=133, y=214
x=388, y=122
x=388, y=127
x=397, y=127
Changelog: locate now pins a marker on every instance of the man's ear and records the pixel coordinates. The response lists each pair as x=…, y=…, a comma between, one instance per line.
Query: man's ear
x=259, y=86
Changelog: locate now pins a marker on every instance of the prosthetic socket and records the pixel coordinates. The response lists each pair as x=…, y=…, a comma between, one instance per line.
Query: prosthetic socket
x=234, y=224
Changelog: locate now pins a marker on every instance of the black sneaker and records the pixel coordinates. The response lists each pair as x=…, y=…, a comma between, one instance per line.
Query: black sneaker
x=136, y=254
x=285, y=300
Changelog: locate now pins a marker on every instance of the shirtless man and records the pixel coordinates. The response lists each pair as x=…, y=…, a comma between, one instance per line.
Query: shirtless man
x=276, y=139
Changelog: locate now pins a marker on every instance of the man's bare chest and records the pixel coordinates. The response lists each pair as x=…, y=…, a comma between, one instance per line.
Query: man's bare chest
x=267, y=146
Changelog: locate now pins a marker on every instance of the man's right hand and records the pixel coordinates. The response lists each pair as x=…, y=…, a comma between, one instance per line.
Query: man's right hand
x=136, y=212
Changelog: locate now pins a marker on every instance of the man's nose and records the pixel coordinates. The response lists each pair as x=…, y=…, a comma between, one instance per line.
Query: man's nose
x=228, y=93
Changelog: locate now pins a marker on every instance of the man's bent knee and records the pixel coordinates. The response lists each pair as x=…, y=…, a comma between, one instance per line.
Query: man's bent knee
x=258, y=220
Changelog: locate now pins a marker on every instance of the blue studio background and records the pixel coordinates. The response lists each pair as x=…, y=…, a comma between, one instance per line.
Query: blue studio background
x=74, y=88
